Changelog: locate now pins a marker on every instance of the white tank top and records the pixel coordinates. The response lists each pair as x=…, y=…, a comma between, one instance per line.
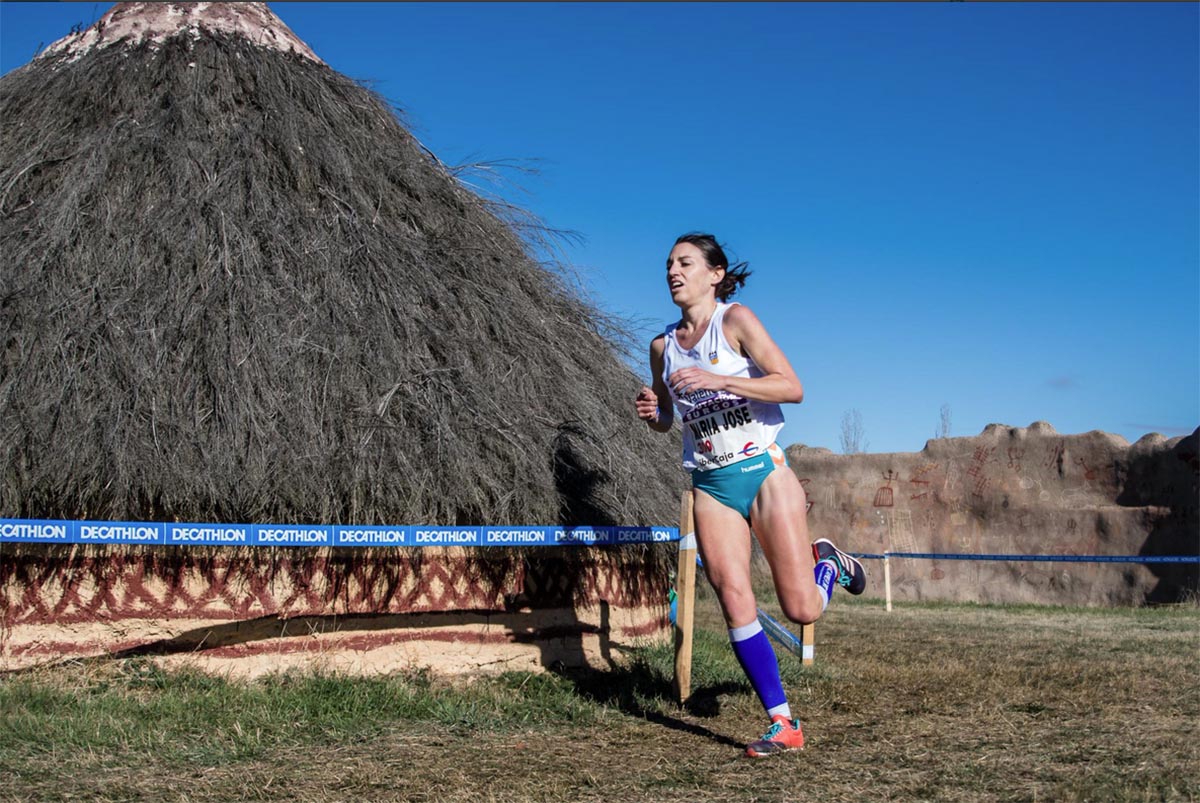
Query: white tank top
x=719, y=428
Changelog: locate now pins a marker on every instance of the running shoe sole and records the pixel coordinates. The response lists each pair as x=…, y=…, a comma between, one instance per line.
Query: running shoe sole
x=783, y=736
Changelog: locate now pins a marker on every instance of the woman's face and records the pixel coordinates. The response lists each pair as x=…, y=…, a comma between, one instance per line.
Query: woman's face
x=689, y=276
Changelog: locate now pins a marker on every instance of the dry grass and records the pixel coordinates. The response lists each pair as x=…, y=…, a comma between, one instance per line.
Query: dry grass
x=930, y=702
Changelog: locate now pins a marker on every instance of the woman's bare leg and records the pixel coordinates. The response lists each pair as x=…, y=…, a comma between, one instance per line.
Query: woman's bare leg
x=779, y=519
x=724, y=540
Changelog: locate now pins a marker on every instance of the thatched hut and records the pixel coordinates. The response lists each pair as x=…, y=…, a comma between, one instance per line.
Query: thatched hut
x=236, y=289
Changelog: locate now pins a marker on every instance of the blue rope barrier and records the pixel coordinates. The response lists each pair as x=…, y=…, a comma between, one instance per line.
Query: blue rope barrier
x=1051, y=558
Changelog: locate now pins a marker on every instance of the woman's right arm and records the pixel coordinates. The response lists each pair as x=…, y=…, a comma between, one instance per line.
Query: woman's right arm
x=654, y=404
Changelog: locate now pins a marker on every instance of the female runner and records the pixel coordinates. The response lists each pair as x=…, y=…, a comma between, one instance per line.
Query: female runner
x=727, y=378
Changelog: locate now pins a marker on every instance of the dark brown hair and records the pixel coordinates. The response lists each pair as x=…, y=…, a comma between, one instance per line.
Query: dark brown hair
x=714, y=255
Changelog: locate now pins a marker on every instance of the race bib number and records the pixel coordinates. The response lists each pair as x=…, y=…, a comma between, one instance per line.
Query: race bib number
x=723, y=431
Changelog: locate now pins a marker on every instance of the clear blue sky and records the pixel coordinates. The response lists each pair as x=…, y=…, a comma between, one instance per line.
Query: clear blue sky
x=990, y=206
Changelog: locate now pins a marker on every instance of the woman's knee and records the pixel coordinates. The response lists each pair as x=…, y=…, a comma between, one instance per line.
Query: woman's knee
x=737, y=602
x=803, y=610
x=736, y=596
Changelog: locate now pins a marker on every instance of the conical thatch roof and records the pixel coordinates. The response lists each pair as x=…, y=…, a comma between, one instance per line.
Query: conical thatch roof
x=235, y=288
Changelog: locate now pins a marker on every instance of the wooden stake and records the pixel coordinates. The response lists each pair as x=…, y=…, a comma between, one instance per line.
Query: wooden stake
x=685, y=598
x=887, y=582
x=808, y=638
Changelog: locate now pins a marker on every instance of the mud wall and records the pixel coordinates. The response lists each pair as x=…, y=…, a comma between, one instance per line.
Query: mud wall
x=250, y=611
x=1016, y=491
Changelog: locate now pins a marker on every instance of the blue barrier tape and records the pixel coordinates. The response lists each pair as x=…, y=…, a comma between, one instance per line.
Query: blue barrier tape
x=782, y=636
x=1053, y=558
x=41, y=531
x=184, y=533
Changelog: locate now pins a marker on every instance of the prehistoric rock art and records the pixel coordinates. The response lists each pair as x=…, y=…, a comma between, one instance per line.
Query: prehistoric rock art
x=1017, y=491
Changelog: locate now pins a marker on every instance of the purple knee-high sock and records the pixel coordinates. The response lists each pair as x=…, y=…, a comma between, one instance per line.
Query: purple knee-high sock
x=757, y=657
x=825, y=573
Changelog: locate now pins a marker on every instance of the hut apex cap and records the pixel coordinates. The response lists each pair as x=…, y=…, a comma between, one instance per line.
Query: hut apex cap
x=134, y=23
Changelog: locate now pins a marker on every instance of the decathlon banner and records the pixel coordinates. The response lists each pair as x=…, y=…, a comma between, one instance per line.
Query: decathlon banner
x=42, y=531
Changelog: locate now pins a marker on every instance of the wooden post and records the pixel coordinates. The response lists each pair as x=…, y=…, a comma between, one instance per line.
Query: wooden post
x=808, y=637
x=887, y=582
x=685, y=598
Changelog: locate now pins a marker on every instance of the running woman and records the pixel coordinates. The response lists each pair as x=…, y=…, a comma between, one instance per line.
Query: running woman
x=727, y=378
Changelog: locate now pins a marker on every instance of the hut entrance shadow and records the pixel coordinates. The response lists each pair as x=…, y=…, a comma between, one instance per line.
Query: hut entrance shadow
x=557, y=578
x=577, y=480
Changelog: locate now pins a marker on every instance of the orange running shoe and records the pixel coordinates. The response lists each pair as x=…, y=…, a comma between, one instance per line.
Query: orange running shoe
x=783, y=735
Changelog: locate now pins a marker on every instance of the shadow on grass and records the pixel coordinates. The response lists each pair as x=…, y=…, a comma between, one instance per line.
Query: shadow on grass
x=640, y=690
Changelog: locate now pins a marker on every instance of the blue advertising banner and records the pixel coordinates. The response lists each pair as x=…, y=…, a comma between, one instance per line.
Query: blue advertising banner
x=41, y=531
x=36, y=532
x=364, y=535
x=118, y=532
x=46, y=531
x=210, y=534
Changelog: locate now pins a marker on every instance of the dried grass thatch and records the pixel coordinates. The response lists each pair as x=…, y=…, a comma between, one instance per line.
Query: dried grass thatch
x=235, y=288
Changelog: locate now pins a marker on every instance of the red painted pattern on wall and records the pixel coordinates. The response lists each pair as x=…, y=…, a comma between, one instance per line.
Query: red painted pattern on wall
x=35, y=589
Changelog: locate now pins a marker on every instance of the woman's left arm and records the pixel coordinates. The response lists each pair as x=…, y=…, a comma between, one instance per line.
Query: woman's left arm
x=745, y=333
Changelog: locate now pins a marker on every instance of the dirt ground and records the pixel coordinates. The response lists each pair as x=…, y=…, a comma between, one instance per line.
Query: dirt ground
x=929, y=702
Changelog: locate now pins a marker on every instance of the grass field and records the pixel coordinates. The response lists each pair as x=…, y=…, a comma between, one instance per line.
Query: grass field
x=929, y=702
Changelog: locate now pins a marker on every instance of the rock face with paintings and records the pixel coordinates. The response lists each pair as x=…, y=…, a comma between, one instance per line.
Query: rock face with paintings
x=1016, y=491
x=236, y=289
